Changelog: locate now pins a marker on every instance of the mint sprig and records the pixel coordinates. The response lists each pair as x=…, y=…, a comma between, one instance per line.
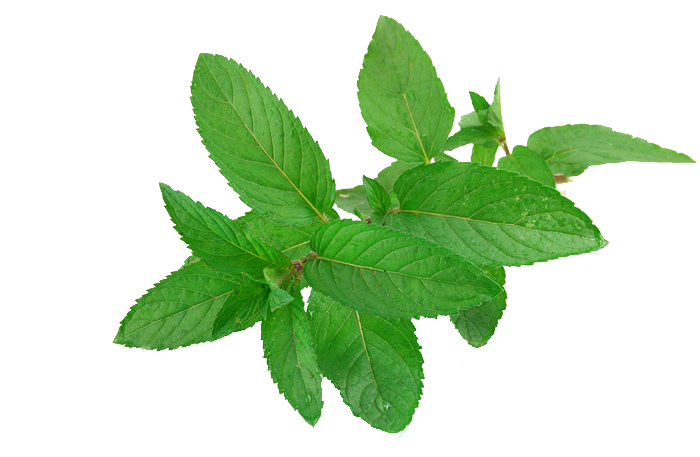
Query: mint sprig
x=434, y=235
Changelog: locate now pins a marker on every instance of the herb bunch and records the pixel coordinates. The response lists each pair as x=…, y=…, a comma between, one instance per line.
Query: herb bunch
x=433, y=238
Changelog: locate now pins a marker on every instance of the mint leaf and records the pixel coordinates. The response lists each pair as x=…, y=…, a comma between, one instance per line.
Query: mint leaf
x=495, y=119
x=471, y=135
x=377, y=198
x=490, y=216
x=268, y=157
x=401, y=98
x=570, y=149
x=181, y=310
x=485, y=153
x=281, y=283
x=290, y=240
x=352, y=200
x=478, y=323
x=442, y=157
x=388, y=176
x=526, y=162
x=220, y=242
x=374, y=362
x=381, y=271
x=478, y=102
x=291, y=359
x=242, y=309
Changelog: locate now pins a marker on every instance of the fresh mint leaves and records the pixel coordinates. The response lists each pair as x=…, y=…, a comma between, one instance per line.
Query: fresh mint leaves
x=434, y=234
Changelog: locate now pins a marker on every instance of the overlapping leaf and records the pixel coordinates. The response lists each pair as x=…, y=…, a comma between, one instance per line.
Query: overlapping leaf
x=291, y=358
x=268, y=157
x=181, y=310
x=377, y=197
x=381, y=271
x=222, y=243
x=375, y=362
x=478, y=323
x=485, y=153
x=490, y=216
x=570, y=149
x=526, y=162
x=401, y=98
x=291, y=240
x=242, y=309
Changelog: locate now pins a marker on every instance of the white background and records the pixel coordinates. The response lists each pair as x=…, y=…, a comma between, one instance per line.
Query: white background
x=596, y=355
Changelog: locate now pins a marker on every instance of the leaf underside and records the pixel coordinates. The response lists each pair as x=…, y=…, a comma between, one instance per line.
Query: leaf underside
x=570, y=149
x=291, y=358
x=401, y=98
x=261, y=148
x=385, y=272
x=490, y=216
x=374, y=362
x=478, y=323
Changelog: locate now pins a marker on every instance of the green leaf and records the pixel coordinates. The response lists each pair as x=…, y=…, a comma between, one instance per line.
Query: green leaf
x=222, y=243
x=281, y=283
x=478, y=323
x=490, y=216
x=388, y=273
x=377, y=196
x=401, y=98
x=291, y=240
x=268, y=157
x=526, y=162
x=495, y=119
x=442, y=157
x=485, y=153
x=374, y=362
x=242, y=309
x=388, y=176
x=478, y=102
x=471, y=135
x=570, y=149
x=351, y=200
x=181, y=310
x=291, y=359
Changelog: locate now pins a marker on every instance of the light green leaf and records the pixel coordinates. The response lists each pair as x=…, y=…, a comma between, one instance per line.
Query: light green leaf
x=222, y=243
x=377, y=197
x=485, y=153
x=355, y=199
x=495, y=119
x=478, y=323
x=374, y=362
x=281, y=283
x=388, y=176
x=401, y=98
x=291, y=358
x=471, y=135
x=291, y=240
x=242, y=309
x=526, y=162
x=181, y=310
x=388, y=273
x=491, y=216
x=442, y=157
x=570, y=149
x=268, y=157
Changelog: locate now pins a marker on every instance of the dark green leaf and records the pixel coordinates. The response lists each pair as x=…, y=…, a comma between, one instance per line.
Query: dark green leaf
x=291, y=240
x=570, y=149
x=375, y=362
x=478, y=102
x=442, y=157
x=491, y=216
x=181, y=310
x=281, y=283
x=528, y=163
x=495, y=119
x=388, y=273
x=242, y=309
x=222, y=243
x=377, y=197
x=401, y=98
x=291, y=359
x=258, y=144
x=478, y=323
x=485, y=153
